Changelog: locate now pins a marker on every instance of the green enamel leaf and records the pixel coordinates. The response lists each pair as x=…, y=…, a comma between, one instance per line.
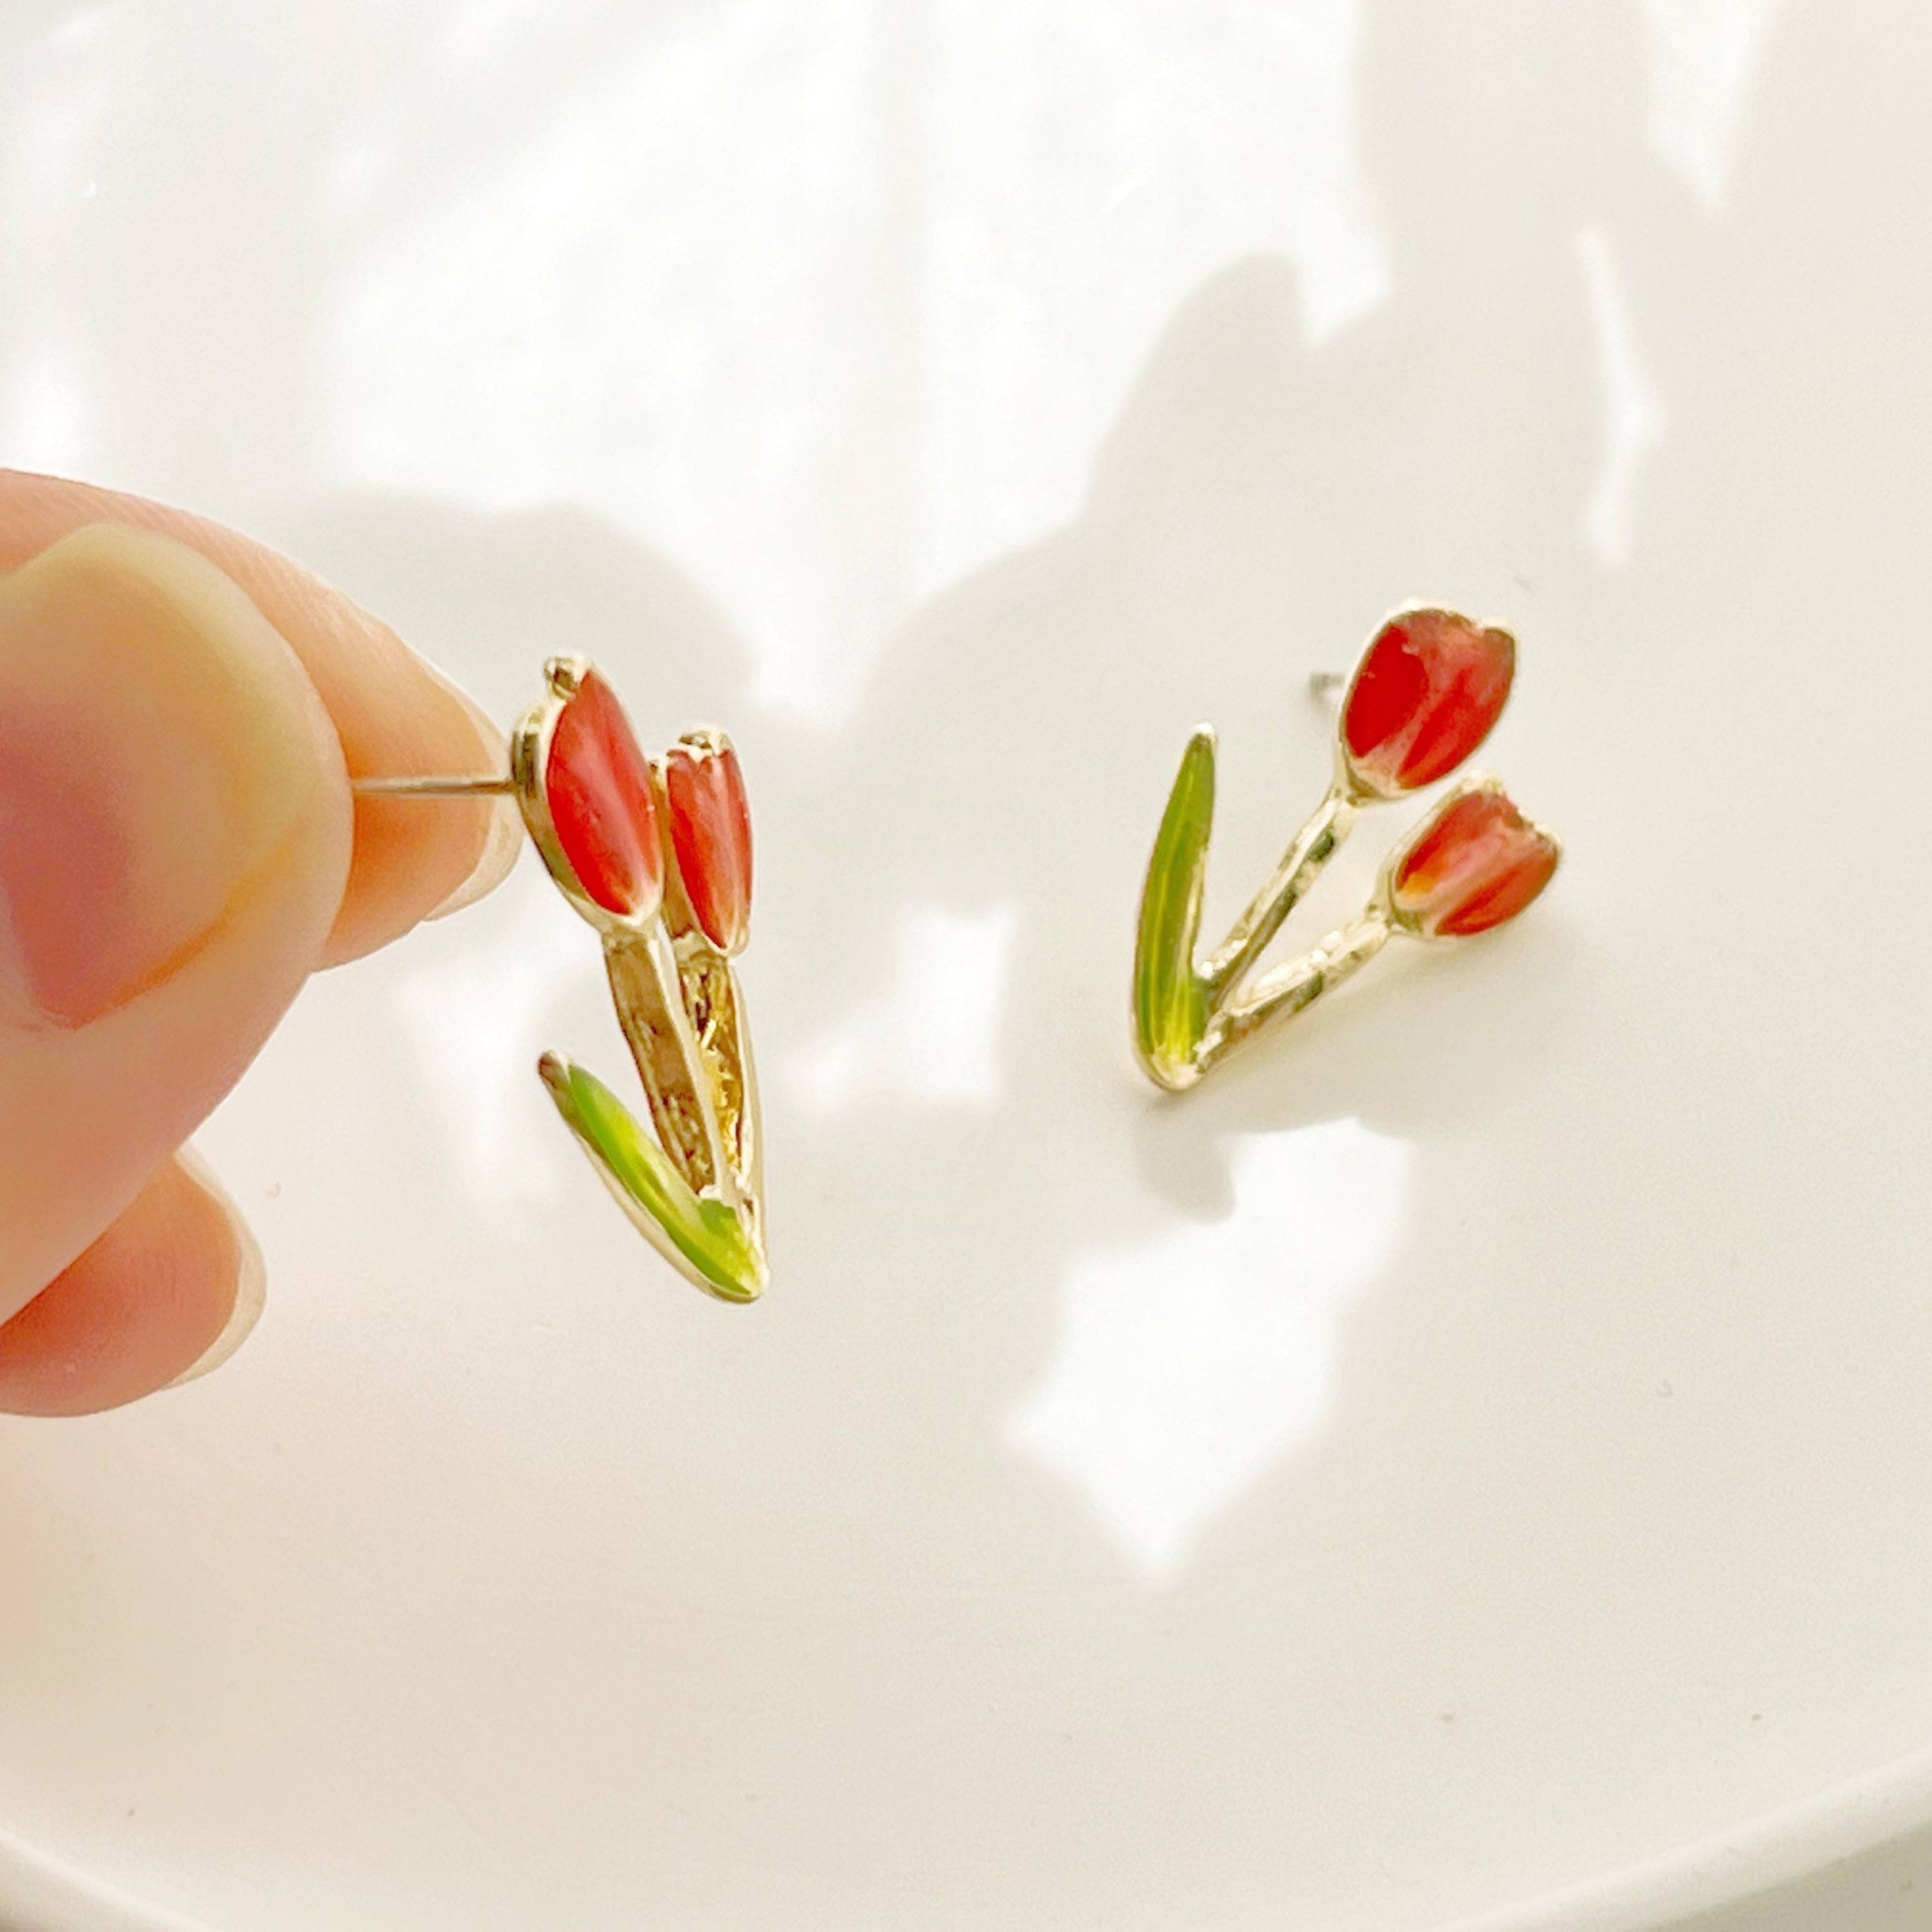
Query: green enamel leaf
x=705, y=1233
x=1170, y=1003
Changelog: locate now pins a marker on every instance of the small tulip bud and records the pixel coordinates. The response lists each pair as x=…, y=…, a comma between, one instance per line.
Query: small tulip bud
x=1476, y=863
x=711, y=835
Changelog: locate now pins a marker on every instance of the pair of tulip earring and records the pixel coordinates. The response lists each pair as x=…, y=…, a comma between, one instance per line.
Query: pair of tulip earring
x=657, y=857
x=1424, y=695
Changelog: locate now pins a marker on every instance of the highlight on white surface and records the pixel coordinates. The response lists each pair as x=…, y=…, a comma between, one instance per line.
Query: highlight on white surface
x=475, y=1024
x=1192, y=1366
x=929, y=1035
x=974, y=220
x=1634, y=420
x=1702, y=53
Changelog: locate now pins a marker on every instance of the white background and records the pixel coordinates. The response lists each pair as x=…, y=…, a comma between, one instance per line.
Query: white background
x=1477, y=1447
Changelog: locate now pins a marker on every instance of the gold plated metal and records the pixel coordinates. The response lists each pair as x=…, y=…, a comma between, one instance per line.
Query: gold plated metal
x=1429, y=687
x=693, y=1184
x=433, y=787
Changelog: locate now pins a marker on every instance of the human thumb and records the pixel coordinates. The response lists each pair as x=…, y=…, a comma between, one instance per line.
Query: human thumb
x=175, y=834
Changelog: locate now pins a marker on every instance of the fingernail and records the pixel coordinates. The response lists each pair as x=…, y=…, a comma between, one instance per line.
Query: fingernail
x=154, y=749
x=251, y=1278
x=505, y=839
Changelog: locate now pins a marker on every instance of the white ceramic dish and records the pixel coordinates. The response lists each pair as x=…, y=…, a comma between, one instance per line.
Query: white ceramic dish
x=1466, y=1466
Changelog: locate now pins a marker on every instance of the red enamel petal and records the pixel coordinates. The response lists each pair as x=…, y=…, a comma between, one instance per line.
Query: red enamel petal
x=1479, y=862
x=598, y=786
x=1505, y=894
x=1474, y=669
x=711, y=834
x=1428, y=688
x=1389, y=690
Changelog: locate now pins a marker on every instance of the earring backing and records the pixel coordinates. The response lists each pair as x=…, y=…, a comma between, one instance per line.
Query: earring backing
x=1425, y=693
x=658, y=858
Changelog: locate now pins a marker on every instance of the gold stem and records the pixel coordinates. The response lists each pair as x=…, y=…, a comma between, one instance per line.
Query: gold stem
x=1312, y=848
x=1294, y=987
x=432, y=787
x=712, y=1000
x=648, y=987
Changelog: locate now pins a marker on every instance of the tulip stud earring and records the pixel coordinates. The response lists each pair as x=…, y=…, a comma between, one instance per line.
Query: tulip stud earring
x=658, y=858
x=1427, y=690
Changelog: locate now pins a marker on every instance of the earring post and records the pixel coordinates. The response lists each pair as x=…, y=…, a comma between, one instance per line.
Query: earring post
x=433, y=787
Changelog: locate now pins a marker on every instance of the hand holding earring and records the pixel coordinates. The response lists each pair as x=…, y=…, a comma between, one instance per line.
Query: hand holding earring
x=1426, y=692
x=178, y=854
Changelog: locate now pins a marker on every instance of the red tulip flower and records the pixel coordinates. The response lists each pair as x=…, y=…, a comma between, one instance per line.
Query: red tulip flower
x=1429, y=687
x=597, y=789
x=1426, y=692
x=711, y=835
x=646, y=853
x=1476, y=863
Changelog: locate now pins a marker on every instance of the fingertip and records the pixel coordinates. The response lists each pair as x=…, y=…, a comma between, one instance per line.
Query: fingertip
x=393, y=713
x=168, y=1292
x=414, y=859
x=503, y=838
x=251, y=1275
x=175, y=832
x=501, y=845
